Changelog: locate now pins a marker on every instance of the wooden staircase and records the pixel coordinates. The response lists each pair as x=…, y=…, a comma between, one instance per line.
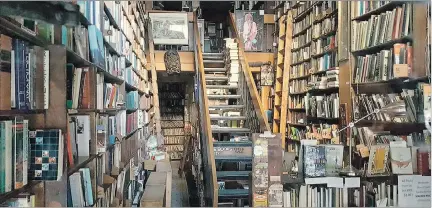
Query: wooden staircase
x=231, y=112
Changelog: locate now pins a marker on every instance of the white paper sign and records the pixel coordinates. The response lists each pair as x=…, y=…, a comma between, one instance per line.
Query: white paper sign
x=414, y=191
x=352, y=182
x=335, y=182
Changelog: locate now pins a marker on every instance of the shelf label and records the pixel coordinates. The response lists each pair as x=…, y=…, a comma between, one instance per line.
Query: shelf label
x=400, y=70
x=233, y=151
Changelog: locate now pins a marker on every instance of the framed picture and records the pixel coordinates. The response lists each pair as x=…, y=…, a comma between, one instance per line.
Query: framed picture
x=250, y=25
x=170, y=28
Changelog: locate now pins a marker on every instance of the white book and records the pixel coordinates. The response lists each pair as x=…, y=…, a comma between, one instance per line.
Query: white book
x=395, y=196
x=321, y=196
x=60, y=157
x=76, y=87
x=8, y=156
x=286, y=199
x=303, y=201
x=83, y=135
x=401, y=160
x=77, y=194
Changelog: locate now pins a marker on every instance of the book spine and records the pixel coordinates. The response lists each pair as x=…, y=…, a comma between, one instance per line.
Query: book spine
x=19, y=148
x=13, y=68
x=27, y=78
x=25, y=141
x=2, y=158
x=19, y=78
x=89, y=190
x=8, y=156
x=46, y=79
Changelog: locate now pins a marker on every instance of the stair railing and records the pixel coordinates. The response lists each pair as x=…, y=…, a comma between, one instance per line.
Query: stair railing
x=254, y=112
x=210, y=180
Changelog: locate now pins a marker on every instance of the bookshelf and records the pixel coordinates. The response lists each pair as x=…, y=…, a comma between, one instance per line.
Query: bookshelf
x=99, y=94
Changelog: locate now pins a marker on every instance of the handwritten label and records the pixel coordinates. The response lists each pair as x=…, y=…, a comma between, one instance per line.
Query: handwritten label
x=414, y=191
x=233, y=151
x=400, y=70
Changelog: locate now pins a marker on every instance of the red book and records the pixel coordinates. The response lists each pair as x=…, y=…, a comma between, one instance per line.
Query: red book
x=423, y=162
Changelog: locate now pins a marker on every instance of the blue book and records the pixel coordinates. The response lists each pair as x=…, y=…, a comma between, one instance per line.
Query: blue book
x=88, y=194
x=20, y=79
x=64, y=35
x=96, y=46
x=27, y=77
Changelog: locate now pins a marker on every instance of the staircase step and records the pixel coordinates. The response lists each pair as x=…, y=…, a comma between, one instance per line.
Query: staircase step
x=228, y=118
x=229, y=130
x=232, y=174
x=214, y=77
x=232, y=144
x=223, y=97
x=226, y=107
x=212, y=54
x=233, y=193
x=215, y=69
x=235, y=158
x=214, y=61
x=221, y=86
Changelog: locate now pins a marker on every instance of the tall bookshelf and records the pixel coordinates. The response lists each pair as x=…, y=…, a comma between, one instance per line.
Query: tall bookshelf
x=113, y=151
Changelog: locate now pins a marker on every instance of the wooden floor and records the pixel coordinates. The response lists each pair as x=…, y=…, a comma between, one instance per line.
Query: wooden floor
x=179, y=192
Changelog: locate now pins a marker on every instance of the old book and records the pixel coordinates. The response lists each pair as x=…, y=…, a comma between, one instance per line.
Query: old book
x=401, y=161
x=314, y=161
x=334, y=159
x=378, y=160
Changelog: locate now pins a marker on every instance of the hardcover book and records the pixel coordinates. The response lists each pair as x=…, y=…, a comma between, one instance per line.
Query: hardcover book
x=378, y=159
x=46, y=154
x=401, y=161
x=314, y=161
x=96, y=46
x=20, y=139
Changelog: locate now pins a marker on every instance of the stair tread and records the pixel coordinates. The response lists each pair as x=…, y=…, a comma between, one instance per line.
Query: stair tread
x=232, y=144
x=226, y=106
x=228, y=117
x=209, y=69
x=221, y=86
x=213, y=61
x=223, y=174
x=224, y=96
x=212, y=54
x=229, y=129
x=215, y=77
x=233, y=192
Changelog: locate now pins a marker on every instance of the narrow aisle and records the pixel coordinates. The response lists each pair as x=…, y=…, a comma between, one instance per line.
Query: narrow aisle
x=179, y=192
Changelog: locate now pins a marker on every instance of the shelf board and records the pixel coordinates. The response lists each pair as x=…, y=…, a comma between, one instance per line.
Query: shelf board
x=110, y=17
x=11, y=29
x=305, y=45
x=388, y=86
x=324, y=71
x=75, y=59
x=393, y=127
x=333, y=50
x=324, y=91
x=297, y=109
x=130, y=87
x=17, y=112
x=300, y=62
x=327, y=120
x=298, y=93
x=379, y=47
x=333, y=32
x=14, y=193
x=75, y=168
x=296, y=124
x=302, y=31
x=385, y=7
x=300, y=77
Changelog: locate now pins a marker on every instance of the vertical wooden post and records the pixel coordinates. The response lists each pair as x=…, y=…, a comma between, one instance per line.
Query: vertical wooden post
x=419, y=36
x=265, y=91
x=346, y=60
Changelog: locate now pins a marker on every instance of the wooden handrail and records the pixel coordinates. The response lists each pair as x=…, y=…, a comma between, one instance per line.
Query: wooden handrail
x=206, y=120
x=249, y=78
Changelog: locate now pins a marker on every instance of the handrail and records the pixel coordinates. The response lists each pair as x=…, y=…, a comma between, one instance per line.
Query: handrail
x=264, y=126
x=205, y=119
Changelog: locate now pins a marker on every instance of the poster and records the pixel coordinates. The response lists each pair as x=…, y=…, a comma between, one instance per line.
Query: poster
x=250, y=25
x=414, y=191
x=267, y=75
x=170, y=28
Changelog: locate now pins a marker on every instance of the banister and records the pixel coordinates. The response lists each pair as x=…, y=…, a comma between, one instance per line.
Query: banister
x=249, y=77
x=205, y=120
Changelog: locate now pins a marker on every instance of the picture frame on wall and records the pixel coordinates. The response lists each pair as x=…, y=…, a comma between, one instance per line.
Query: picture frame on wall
x=170, y=28
x=251, y=27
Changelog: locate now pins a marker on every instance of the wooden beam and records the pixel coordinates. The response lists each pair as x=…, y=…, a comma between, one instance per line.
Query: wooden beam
x=206, y=120
x=420, y=34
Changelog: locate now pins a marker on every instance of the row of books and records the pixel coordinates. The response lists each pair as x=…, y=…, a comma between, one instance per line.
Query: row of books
x=325, y=62
x=78, y=87
x=324, y=27
x=323, y=9
x=300, y=70
x=298, y=86
x=301, y=54
x=24, y=77
x=132, y=78
x=302, y=8
x=111, y=95
x=77, y=40
x=28, y=155
x=326, y=193
x=324, y=45
x=173, y=131
x=382, y=28
x=380, y=66
x=132, y=120
x=363, y=7
x=132, y=100
x=322, y=160
x=323, y=133
x=329, y=79
x=174, y=140
x=297, y=102
x=115, y=65
x=22, y=200
x=366, y=104
x=301, y=25
x=80, y=189
x=301, y=40
x=323, y=106
x=297, y=117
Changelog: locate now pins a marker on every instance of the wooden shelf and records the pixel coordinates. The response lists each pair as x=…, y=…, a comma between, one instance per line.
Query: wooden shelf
x=393, y=127
x=333, y=50
x=75, y=168
x=324, y=91
x=14, y=193
x=324, y=71
x=304, y=13
x=382, y=46
x=333, y=32
x=297, y=109
x=388, y=86
x=331, y=13
x=298, y=93
x=9, y=28
x=305, y=45
x=297, y=124
x=300, y=77
x=322, y=119
x=17, y=112
x=302, y=32
x=130, y=87
x=385, y=7
x=300, y=62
